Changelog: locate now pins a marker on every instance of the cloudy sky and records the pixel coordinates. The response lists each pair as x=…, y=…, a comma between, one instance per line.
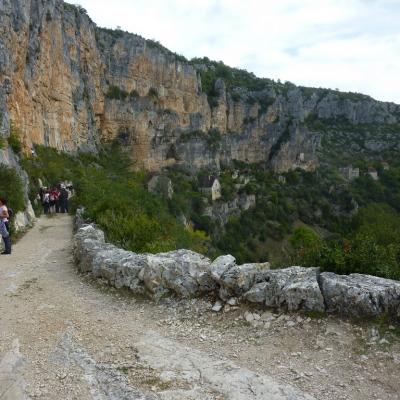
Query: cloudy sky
x=353, y=45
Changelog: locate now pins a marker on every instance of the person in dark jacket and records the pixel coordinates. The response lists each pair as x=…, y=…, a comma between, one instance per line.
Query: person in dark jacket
x=63, y=199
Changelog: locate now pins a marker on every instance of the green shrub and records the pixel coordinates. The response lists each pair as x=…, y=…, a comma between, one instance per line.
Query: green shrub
x=284, y=138
x=116, y=93
x=11, y=188
x=372, y=247
x=14, y=140
x=248, y=120
x=214, y=139
x=134, y=94
x=236, y=96
x=153, y=93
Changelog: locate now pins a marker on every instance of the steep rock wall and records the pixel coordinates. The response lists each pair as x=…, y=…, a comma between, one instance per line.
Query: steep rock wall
x=56, y=68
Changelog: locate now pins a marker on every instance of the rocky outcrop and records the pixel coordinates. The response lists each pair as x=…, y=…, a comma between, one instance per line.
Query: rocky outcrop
x=188, y=274
x=68, y=84
x=221, y=211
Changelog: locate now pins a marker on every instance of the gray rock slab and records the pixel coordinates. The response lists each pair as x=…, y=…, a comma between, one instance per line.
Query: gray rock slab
x=220, y=265
x=11, y=382
x=213, y=374
x=240, y=278
x=360, y=295
x=183, y=272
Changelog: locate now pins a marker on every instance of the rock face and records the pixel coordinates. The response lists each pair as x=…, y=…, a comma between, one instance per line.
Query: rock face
x=222, y=211
x=68, y=84
x=360, y=295
x=188, y=274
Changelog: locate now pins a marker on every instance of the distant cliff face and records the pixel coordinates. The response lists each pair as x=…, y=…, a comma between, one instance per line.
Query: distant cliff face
x=67, y=84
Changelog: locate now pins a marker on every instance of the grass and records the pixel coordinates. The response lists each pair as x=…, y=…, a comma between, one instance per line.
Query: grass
x=156, y=381
x=17, y=236
x=315, y=314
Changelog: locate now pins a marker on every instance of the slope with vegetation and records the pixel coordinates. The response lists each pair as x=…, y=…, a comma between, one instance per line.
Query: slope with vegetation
x=114, y=197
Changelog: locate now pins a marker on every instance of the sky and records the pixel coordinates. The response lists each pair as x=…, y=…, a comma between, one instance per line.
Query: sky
x=352, y=45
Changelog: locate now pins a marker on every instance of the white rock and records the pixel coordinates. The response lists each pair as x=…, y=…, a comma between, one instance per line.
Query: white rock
x=217, y=306
x=233, y=301
x=248, y=316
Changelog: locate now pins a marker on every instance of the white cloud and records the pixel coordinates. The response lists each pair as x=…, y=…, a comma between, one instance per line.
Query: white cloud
x=353, y=45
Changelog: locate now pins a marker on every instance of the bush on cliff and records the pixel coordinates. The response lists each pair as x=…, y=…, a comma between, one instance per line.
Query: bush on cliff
x=372, y=247
x=116, y=93
x=11, y=188
x=14, y=139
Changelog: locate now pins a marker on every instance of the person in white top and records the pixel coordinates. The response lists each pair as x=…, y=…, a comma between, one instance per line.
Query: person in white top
x=4, y=216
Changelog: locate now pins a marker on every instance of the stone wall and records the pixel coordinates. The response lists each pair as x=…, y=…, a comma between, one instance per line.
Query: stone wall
x=188, y=274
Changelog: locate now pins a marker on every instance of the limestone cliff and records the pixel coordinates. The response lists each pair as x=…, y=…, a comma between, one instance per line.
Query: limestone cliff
x=68, y=84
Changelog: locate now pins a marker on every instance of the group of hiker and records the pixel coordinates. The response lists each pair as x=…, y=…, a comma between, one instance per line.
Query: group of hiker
x=55, y=199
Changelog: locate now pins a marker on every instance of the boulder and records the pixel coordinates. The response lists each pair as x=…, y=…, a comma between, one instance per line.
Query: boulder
x=291, y=289
x=128, y=271
x=86, y=250
x=88, y=241
x=183, y=272
x=258, y=293
x=238, y=279
x=358, y=295
x=89, y=232
x=220, y=265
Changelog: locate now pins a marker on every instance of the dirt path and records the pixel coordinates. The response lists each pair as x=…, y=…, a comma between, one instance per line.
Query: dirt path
x=65, y=336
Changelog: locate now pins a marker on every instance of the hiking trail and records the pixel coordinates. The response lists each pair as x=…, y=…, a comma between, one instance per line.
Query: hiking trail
x=67, y=336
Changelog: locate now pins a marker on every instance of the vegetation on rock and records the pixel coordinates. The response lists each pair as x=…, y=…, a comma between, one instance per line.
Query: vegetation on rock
x=11, y=188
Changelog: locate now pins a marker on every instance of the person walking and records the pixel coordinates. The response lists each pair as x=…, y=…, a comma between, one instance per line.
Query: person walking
x=57, y=197
x=63, y=199
x=5, y=226
x=46, y=201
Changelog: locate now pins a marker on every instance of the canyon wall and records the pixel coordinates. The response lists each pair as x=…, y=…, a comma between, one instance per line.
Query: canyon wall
x=68, y=84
